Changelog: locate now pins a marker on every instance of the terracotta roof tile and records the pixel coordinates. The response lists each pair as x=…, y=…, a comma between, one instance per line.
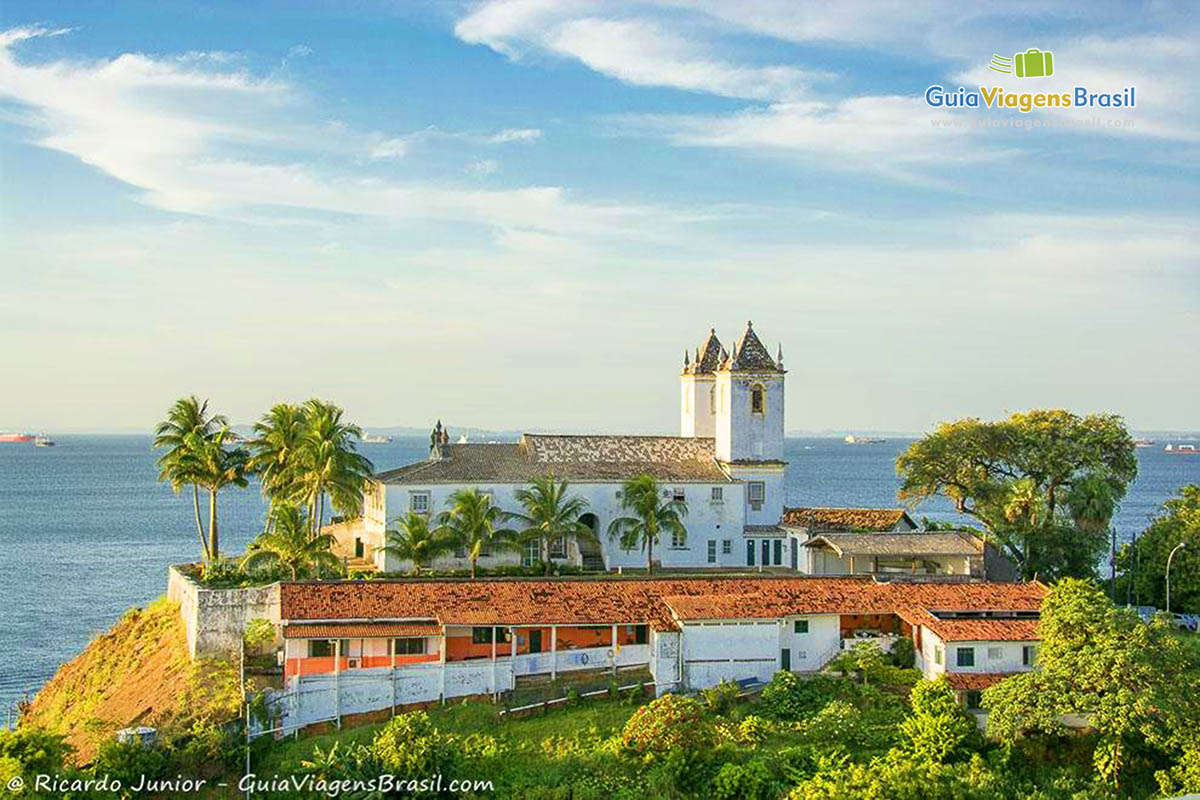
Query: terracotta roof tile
x=361, y=630
x=846, y=519
x=659, y=601
x=976, y=681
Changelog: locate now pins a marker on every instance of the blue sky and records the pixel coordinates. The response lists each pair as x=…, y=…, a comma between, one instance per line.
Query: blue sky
x=519, y=213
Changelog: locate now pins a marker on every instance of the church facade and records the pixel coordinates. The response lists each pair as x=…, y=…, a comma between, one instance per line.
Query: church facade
x=727, y=465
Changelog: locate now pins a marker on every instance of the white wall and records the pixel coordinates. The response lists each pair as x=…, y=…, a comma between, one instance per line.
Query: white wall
x=214, y=619
x=741, y=434
x=705, y=520
x=1008, y=658
x=321, y=698
x=664, y=659
x=697, y=415
x=717, y=651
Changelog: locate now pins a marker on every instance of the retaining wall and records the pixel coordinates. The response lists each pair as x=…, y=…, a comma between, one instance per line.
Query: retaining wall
x=216, y=618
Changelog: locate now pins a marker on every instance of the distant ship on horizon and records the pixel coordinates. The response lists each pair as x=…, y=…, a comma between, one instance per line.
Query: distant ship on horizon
x=1182, y=450
x=10, y=436
x=370, y=439
x=852, y=439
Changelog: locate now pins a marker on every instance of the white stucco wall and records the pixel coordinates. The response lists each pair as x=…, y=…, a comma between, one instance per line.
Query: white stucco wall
x=705, y=520
x=1008, y=659
x=214, y=619
x=741, y=434
x=697, y=414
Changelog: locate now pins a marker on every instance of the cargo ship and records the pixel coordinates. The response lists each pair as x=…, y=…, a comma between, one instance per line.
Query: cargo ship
x=9, y=436
x=1182, y=450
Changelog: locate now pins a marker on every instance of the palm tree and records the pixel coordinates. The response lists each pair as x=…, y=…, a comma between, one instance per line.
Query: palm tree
x=549, y=514
x=329, y=463
x=288, y=543
x=414, y=541
x=1092, y=503
x=471, y=523
x=187, y=417
x=275, y=449
x=214, y=466
x=651, y=516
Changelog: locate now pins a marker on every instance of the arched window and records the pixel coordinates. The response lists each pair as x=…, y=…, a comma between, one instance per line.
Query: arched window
x=758, y=399
x=712, y=399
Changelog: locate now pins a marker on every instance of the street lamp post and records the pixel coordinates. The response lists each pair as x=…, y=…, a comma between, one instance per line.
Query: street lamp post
x=1177, y=548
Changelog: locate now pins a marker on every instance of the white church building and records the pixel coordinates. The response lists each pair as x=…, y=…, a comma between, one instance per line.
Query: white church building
x=727, y=465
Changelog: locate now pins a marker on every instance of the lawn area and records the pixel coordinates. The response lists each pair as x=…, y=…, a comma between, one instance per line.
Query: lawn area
x=603, y=716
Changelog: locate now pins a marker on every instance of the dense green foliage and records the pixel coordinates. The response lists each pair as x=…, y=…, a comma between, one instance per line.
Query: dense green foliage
x=290, y=545
x=1044, y=484
x=1137, y=686
x=1143, y=565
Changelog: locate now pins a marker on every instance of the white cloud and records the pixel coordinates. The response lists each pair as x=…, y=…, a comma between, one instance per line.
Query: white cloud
x=198, y=137
x=516, y=135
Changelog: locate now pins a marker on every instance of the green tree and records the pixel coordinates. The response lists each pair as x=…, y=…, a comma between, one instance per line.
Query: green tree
x=1135, y=683
x=187, y=417
x=549, y=514
x=473, y=524
x=650, y=517
x=413, y=541
x=329, y=463
x=1044, y=484
x=290, y=545
x=275, y=453
x=938, y=730
x=1144, y=566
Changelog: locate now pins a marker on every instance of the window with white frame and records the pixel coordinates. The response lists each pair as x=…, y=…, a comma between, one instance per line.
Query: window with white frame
x=939, y=654
x=756, y=493
x=964, y=657
x=531, y=553
x=726, y=546
x=718, y=494
x=558, y=547
x=678, y=494
x=995, y=653
x=712, y=551
x=418, y=502
x=1028, y=653
x=678, y=539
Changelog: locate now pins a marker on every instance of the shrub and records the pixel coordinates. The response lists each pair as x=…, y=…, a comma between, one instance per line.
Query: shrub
x=789, y=696
x=668, y=723
x=128, y=761
x=903, y=653
x=351, y=763
x=722, y=698
x=839, y=725
x=207, y=744
x=34, y=751
x=411, y=745
x=754, y=729
x=744, y=782
x=938, y=730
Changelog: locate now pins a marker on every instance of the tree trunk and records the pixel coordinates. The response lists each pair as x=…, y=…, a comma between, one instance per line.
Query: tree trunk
x=213, y=538
x=649, y=554
x=199, y=524
x=472, y=569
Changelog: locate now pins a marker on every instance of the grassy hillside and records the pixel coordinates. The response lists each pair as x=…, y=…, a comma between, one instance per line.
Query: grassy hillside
x=137, y=673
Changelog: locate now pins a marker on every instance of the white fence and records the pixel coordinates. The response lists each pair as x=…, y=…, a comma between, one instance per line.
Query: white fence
x=328, y=697
x=583, y=658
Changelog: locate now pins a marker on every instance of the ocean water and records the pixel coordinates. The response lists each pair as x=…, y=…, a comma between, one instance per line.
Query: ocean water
x=86, y=531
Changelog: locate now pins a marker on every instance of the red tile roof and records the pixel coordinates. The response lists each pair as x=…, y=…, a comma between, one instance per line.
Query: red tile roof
x=976, y=681
x=361, y=630
x=660, y=602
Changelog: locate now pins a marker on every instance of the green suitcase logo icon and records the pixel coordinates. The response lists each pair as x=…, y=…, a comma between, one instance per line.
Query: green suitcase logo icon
x=1034, y=63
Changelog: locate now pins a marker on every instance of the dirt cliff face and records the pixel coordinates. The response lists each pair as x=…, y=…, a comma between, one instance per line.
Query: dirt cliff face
x=137, y=673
